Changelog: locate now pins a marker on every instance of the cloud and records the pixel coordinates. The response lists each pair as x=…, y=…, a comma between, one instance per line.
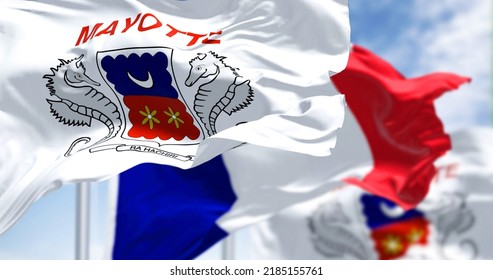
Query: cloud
x=452, y=36
x=464, y=47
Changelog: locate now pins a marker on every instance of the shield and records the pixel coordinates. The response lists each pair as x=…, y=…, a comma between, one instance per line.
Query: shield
x=154, y=108
x=393, y=230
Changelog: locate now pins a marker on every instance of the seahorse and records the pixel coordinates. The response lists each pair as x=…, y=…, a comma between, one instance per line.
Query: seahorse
x=79, y=102
x=224, y=90
x=332, y=233
x=453, y=217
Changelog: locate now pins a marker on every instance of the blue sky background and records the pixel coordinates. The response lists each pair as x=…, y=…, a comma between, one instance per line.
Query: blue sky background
x=416, y=36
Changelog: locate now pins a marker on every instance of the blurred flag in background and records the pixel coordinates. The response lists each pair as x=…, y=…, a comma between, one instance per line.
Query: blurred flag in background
x=110, y=85
x=398, y=118
x=453, y=222
x=389, y=141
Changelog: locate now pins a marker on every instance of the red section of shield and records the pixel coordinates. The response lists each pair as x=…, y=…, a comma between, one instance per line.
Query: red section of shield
x=159, y=117
x=393, y=241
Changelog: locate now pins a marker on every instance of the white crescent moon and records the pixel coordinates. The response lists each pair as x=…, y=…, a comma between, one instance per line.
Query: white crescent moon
x=391, y=212
x=148, y=83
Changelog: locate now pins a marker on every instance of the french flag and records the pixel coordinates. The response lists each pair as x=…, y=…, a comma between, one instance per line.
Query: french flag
x=389, y=141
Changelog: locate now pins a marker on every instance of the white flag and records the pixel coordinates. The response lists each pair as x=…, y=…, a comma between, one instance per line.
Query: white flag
x=91, y=88
x=453, y=222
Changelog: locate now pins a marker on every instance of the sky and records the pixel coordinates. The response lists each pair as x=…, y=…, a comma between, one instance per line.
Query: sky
x=416, y=36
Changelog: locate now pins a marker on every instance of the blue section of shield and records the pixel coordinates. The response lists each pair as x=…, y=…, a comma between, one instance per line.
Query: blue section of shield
x=140, y=75
x=166, y=213
x=374, y=210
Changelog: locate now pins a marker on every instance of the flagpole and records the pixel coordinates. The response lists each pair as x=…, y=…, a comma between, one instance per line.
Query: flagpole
x=82, y=221
x=228, y=246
